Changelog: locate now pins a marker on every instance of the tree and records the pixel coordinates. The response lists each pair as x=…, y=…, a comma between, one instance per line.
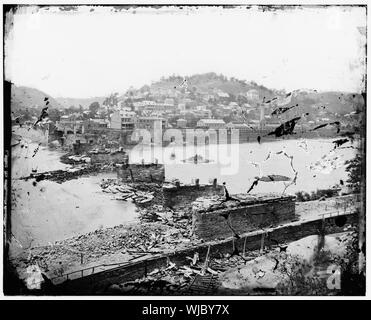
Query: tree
x=232, y=97
x=191, y=119
x=27, y=116
x=354, y=169
x=145, y=88
x=85, y=116
x=241, y=99
x=172, y=120
x=54, y=114
x=72, y=109
x=111, y=101
x=228, y=118
x=93, y=108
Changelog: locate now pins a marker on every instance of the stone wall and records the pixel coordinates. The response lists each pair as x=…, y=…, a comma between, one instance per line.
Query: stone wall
x=243, y=218
x=97, y=137
x=180, y=197
x=142, y=173
x=114, y=157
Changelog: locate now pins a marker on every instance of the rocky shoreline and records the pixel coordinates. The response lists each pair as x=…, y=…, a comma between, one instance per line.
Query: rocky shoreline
x=77, y=170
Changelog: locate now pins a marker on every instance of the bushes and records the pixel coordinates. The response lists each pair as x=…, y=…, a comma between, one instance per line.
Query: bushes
x=300, y=278
x=354, y=169
x=302, y=196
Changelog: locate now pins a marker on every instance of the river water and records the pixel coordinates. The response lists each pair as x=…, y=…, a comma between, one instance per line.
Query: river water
x=50, y=211
x=239, y=166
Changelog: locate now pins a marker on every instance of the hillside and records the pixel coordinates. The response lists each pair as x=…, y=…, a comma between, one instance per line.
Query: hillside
x=76, y=102
x=208, y=82
x=26, y=97
x=333, y=102
x=202, y=84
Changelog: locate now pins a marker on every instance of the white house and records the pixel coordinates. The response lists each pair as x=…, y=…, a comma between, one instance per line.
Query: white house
x=211, y=123
x=123, y=120
x=252, y=95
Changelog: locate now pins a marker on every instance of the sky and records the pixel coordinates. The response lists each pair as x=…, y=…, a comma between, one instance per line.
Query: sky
x=93, y=53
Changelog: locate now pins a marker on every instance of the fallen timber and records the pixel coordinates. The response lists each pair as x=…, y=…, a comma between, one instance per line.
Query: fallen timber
x=92, y=282
x=61, y=176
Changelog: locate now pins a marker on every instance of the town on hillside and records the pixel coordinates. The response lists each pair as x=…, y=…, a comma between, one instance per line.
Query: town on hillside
x=207, y=101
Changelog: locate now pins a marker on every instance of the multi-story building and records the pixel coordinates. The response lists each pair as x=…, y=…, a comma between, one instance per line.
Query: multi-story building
x=211, y=123
x=204, y=114
x=201, y=108
x=222, y=95
x=144, y=105
x=123, y=120
x=69, y=124
x=149, y=122
x=252, y=94
x=182, y=106
x=208, y=97
x=95, y=124
x=169, y=103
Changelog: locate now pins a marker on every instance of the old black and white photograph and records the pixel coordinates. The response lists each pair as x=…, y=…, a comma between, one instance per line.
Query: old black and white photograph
x=175, y=150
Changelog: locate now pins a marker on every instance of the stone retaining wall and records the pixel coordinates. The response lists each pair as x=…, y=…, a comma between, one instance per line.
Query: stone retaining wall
x=180, y=197
x=243, y=218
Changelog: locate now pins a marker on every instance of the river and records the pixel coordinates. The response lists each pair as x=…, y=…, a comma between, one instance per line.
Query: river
x=51, y=211
x=240, y=167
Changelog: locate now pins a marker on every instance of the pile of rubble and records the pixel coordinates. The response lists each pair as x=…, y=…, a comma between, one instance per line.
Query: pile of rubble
x=214, y=274
x=125, y=192
x=149, y=199
x=123, y=242
x=104, y=241
x=75, y=172
x=198, y=276
x=75, y=159
x=144, y=195
x=206, y=203
x=172, y=279
x=211, y=203
x=80, y=159
x=168, y=217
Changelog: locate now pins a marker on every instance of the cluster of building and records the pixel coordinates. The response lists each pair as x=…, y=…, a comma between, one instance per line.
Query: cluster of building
x=138, y=109
x=141, y=110
x=182, y=108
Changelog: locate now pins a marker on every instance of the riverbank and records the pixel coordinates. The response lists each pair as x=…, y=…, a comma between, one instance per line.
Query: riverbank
x=125, y=243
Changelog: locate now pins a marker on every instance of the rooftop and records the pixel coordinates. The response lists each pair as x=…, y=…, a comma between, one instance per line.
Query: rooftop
x=220, y=121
